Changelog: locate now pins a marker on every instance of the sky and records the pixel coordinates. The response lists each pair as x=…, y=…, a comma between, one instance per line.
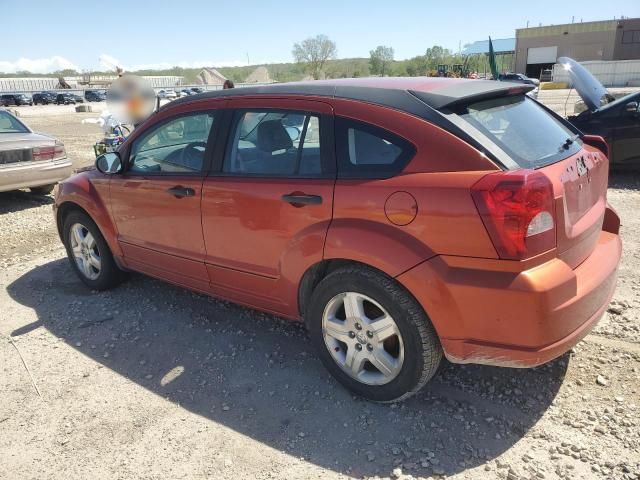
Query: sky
x=90, y=35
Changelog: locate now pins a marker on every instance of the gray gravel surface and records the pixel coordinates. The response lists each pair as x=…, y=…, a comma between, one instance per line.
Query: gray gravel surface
x=152, y=381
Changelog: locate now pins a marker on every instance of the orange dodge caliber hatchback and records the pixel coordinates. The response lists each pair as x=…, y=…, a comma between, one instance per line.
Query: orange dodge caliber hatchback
x=401, y=218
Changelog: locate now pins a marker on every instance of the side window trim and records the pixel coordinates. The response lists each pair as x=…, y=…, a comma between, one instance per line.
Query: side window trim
x=208, y=153
x=231, y=117
x=346, y=150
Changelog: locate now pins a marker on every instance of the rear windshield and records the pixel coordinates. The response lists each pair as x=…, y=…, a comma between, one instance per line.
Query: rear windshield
x=9, y=124
x=523, y=129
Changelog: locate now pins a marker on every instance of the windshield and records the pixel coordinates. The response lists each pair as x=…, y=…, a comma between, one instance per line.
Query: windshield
x=9, y=124
x=523, y=129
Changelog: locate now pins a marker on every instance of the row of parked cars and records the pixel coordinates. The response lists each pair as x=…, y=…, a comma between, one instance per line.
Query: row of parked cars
x=68, y=98
x=169, y=93
x=46, y=98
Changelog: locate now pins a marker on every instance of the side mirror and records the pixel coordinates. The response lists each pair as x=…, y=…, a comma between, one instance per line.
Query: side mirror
x=631, y=108
x=109, y=163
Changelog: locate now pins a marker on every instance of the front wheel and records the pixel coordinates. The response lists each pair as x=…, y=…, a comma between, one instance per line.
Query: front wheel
x=372, y=335
x=89, y=253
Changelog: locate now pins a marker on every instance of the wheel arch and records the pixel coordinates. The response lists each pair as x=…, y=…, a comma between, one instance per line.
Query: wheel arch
x=107, y=230
x=318, y=271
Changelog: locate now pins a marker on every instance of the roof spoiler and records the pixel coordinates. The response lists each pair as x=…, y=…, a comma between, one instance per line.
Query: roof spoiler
x=472, y=91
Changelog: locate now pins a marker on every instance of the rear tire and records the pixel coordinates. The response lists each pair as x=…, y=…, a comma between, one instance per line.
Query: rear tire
x=89, y=254
x=43, y=190
x=385, y=349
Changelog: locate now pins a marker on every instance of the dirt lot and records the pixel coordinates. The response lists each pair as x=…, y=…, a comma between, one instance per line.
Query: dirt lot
x=152, y=381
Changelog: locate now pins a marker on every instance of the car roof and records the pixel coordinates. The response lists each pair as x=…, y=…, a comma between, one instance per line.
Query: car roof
x=436, y=92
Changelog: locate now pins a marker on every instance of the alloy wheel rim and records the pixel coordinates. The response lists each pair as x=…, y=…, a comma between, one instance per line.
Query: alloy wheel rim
x=85, y=251
x=363, y=338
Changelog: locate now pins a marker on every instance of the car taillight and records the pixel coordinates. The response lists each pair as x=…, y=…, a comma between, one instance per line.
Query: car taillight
x=517, y=209
x=55, y=152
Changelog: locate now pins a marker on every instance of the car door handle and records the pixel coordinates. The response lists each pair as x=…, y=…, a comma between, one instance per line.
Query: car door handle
x=302, y=199
x=180, y=192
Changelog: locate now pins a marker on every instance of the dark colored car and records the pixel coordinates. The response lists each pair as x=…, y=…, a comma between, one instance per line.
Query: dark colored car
x=95, y=96
x=77, y=98
x=617, y=121
x=65, y=99
x=197, y=90
x=44, y=98
x=15, y=99
x=402, y=219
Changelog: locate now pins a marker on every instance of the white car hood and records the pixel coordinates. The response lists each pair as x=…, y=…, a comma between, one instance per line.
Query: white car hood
x=592, y=92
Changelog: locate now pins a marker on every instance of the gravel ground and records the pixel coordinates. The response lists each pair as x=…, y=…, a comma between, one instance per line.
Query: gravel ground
x=153, y=381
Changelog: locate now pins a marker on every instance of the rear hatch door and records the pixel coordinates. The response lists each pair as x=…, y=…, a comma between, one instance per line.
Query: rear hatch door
x=534, y=138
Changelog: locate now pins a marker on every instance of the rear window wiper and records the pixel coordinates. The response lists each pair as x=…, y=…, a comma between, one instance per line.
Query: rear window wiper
x=569, y=141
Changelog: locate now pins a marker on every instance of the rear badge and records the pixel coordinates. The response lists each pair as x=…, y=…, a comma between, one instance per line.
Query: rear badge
x=582, y=167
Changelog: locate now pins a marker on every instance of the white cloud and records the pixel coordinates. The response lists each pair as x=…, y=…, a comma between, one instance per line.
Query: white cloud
x=108, y=62
x=37, y=65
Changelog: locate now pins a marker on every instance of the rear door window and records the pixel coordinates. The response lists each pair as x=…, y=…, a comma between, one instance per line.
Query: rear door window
x=523, y=129
x=9, y=124
x=367, y=151
x=274, y=143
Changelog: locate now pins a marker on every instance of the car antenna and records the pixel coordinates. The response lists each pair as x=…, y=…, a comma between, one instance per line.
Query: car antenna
x=567, y=101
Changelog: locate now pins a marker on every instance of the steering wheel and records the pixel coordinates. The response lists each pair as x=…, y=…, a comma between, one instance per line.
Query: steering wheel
x=193, y=154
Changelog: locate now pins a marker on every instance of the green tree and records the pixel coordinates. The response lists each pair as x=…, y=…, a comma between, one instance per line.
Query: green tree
x=417, y=66
x=379, y=60
x=314, y=53
x=436, y=55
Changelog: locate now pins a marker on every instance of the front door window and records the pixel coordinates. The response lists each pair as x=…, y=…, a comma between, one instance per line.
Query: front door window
x=175, y=147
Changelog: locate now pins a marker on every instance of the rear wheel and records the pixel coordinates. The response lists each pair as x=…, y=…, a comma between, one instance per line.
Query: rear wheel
x=89, y=253
x=372, y=335
x=43, y=189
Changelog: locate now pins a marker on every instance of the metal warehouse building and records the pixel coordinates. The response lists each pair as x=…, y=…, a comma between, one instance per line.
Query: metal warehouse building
x=538, y=48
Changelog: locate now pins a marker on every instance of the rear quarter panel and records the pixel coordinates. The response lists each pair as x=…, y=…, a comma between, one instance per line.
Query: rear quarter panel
x=438, y=178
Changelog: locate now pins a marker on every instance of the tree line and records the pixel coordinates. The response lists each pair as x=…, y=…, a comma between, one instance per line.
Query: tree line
x=316, y=53
x=316, y=57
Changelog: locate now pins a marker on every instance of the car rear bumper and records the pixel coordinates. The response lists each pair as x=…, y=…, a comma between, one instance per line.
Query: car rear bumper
x=33, y=174
x=486, y=315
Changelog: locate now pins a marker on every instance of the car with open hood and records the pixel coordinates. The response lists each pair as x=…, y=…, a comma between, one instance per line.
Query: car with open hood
x=616, y=120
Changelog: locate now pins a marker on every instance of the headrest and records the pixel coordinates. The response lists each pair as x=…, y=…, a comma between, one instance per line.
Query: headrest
x=272, y=136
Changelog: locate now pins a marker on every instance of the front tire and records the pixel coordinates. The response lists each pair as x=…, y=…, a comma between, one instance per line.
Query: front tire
x=372, y=335
x=89, y=253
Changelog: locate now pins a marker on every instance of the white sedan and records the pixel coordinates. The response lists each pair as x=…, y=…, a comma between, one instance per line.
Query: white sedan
x=29, y=160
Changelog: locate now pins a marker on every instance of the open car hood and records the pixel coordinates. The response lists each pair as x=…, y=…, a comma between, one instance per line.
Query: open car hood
x=593, y=94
